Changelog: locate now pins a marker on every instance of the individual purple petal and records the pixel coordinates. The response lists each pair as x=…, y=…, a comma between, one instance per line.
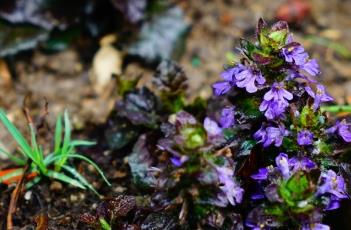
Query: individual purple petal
x=221, y=88
x=301, y=163
x=227, y=117
x=282, y=162
x=228, y=185
x=212, y=128
x=343, y=129
x=260, y=135
x=311, y=67
x=179, y=161
x=275, y=135
x=334, y=203
x=315, y=226
x=319, y=96
x=261, y=175
x=305, y=137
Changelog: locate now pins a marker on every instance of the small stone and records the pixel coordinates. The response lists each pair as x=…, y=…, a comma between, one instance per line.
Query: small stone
x=28, y=195
x=73, y=198
x=56, y=186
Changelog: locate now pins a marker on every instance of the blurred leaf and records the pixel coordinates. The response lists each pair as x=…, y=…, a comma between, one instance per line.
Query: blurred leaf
x=140, y=163
x=120, y=133
x=14, y=39
x=335, y=46
x=246, y=147
x=133, y=10
x=44, y=13
x=139, y=107
x=162, y=37
x=60, y=40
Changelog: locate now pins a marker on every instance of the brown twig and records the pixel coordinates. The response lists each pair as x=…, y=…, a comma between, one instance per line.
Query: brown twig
x=14, y=198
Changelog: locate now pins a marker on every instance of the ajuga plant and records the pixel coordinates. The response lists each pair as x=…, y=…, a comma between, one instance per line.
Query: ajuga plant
x=259, y=154
x=55, y=164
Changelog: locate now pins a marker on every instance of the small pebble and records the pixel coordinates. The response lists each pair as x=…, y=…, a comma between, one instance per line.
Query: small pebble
x=55, y=186
x=28, y=195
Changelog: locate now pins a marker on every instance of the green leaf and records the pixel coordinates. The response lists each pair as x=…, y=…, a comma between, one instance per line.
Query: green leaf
x=78, y=156
x=21, y=141
x=162, y=37
x=58, y=133
x=16, y=38
x=66, y=179
x=15, y=159
x=104, y=224
x=80, y=178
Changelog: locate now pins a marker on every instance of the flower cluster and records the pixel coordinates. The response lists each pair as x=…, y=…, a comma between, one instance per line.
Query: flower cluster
x=295, y=194
x=212, y=160
x=278, y=79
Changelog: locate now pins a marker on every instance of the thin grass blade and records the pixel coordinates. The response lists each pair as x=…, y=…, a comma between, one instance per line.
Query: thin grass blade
x=64, y=178
x=78, y=156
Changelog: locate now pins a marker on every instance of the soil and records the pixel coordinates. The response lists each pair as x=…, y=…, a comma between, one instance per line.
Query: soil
x=63, y=79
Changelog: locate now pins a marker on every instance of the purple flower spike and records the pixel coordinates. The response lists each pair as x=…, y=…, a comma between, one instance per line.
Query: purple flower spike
x=305, y=137
x=227, y=117
x=343, y=129
x=261, y=175
x=333, y=184
x=319, y=96
x=233, y=191
x=294, y=52
x=248, y=77
x=311, y=67
x=282, y=162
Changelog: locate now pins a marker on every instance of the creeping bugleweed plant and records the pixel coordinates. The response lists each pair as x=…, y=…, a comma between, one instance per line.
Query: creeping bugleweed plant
x=53, y=165
x=260, y=153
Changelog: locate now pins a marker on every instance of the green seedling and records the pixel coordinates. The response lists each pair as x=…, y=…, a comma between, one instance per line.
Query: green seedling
x=54, y=165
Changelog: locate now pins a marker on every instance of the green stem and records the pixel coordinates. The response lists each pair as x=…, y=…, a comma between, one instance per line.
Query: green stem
x=336, y=108
x=104, y=225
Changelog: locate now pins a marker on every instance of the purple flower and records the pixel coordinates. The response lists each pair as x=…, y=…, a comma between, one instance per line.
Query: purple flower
x=319, y=96
x=294, y=52
x=227, y=117
x=305, y=137
x=302, y=163
x=275, y=101
x=261, y=175
x=343, y=129
x=222, y=87
x=282, y=162
x=179, y=160
x=334, y=203
x=233, y=192
x=333, y=184
x=248, y=77
x=271, y=135
x=311, y=66
x=274, y=109
x=214, y=132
